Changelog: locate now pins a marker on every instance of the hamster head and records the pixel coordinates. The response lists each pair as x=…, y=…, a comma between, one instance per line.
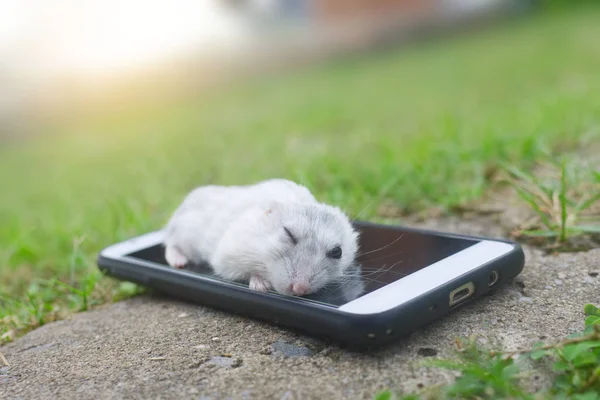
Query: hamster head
x=310, y=245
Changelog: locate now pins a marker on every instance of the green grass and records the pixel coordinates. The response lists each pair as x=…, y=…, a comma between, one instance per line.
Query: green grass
x=421, y=127
x=564, y=201
x=573, y=363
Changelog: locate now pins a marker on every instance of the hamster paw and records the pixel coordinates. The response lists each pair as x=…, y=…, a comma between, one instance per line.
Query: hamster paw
x=259, y=284
x=175, y=258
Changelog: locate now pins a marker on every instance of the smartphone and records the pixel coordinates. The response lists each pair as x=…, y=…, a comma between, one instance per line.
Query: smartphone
x=406, y=278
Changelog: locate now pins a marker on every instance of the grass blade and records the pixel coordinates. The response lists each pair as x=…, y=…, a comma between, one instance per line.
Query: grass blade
x=4, y=360
x=586, y=228
x=562, y=196
x=535, y=206
x=520, y=174
x=530, y=179
x=540, y=233
x=70, y=288
x=588, y=203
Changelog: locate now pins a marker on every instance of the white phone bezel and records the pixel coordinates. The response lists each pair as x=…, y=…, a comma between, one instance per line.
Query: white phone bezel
x=385, y=298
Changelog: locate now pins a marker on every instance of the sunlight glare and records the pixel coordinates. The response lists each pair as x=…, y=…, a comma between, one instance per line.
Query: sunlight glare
x=96, y=38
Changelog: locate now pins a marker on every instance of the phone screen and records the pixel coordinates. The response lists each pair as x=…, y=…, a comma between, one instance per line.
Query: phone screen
x=385, y=256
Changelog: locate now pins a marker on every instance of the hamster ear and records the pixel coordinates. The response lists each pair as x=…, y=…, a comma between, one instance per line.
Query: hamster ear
x=273, y=207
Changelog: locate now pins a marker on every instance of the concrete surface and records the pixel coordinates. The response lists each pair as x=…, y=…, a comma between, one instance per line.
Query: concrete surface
x=156, y=348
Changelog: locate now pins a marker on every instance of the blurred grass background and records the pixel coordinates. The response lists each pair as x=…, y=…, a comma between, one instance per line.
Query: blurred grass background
x=420, y=127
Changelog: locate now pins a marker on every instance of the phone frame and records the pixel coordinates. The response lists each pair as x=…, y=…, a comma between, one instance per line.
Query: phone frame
x=373, y=319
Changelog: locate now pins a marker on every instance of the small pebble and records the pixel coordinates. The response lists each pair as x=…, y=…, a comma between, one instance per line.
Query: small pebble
x=526, y=299
x=226, y=362
x=216, y=339
x=427, y=352
x=291, y=350
x=562, y=275
x=183, y=315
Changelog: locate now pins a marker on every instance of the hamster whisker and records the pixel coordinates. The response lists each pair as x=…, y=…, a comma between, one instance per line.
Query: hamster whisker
x=394, y=265
x=384, y=271
x=339, y=287
x=383, y=257
x=336, y=291
x=371, y=271
x=381, y=248
x=383, y=191
x=383, y=267
x=347, y=279
x=362, y=211
x=329, y=289
x=373, y=274
x=370, y=280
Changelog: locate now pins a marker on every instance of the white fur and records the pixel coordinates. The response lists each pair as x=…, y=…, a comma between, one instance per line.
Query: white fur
x=239, y=231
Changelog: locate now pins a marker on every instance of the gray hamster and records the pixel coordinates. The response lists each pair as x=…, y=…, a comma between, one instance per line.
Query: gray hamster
x=273, y=235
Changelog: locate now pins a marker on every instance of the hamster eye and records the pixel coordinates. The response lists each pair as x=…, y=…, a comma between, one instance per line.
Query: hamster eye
x=335, y=253
x=292, y=237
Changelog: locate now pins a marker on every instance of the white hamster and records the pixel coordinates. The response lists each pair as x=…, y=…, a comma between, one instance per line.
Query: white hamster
x=273, y=235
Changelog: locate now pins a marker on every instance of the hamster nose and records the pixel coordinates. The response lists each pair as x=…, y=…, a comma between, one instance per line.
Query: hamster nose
x=299, y=289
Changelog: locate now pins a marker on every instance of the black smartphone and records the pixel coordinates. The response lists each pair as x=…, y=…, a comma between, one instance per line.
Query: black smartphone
x=406, y=278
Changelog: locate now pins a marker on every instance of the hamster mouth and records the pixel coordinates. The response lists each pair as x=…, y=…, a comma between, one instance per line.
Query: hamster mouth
x=295, y=290
x=299, y=288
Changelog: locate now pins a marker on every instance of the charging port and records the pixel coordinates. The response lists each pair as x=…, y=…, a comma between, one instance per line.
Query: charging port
x=461, y=293
x=493, y=279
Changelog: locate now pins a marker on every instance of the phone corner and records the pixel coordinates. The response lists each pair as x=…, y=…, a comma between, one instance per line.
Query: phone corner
x=103, y=261
x=517, y=250
x=517, y=258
